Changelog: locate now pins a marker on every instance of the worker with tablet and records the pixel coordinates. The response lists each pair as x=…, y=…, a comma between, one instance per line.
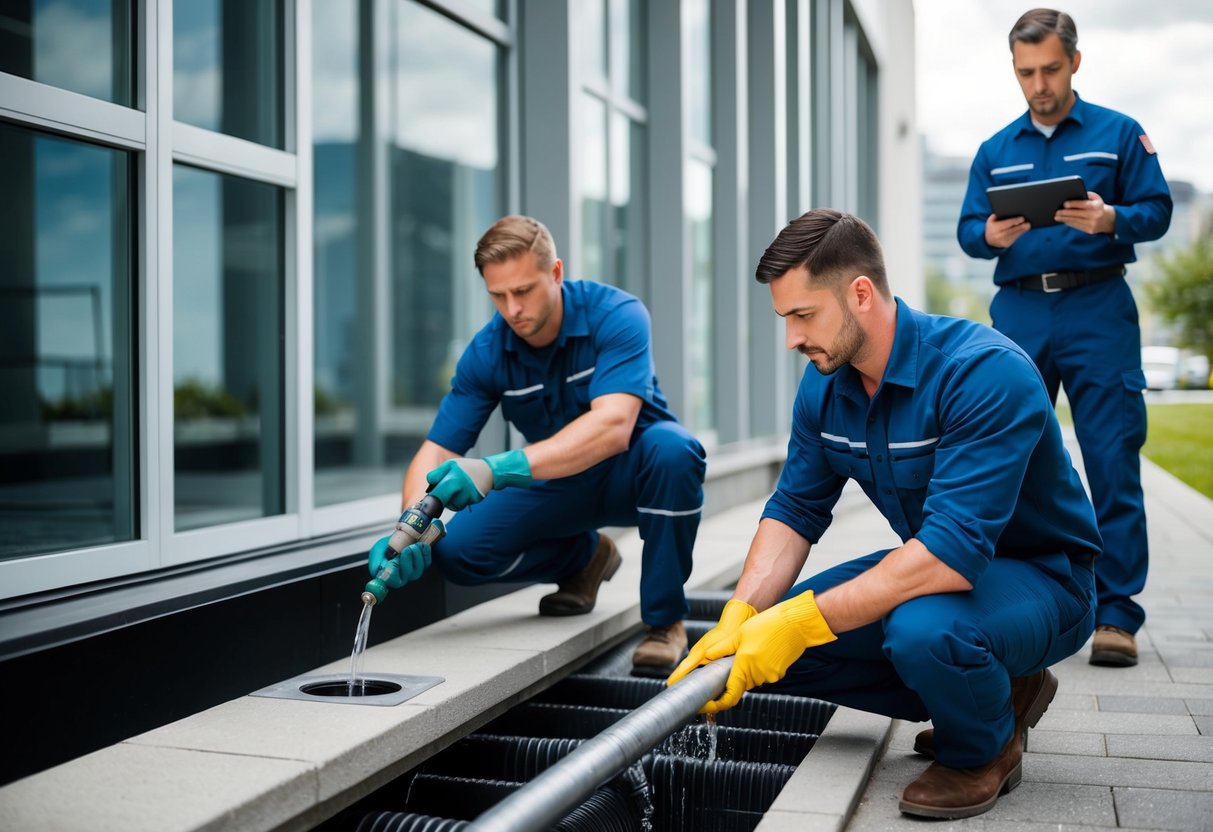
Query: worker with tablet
x=1062, y=294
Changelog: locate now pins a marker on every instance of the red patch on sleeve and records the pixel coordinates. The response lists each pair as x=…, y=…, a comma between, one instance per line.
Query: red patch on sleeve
x=1145, y=142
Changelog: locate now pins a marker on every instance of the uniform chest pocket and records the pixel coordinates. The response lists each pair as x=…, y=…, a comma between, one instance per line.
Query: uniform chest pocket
x=849, y=464
x=577, y=389
x=913, y=472
x=1098, y=173
x=526, y=409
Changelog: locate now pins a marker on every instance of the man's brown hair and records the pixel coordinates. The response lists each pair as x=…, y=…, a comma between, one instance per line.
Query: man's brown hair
x=514, y=236
x=834, y=246
x=1037, y=24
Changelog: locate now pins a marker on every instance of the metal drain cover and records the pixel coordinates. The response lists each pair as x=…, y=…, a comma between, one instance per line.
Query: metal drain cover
x=382, y=689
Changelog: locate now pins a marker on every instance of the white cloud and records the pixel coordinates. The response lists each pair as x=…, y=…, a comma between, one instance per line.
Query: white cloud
x=1155, y=66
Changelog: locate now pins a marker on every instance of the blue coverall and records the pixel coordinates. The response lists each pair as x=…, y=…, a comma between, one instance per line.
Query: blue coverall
x=1086, y=338
x=958, y=448
x=548, y=532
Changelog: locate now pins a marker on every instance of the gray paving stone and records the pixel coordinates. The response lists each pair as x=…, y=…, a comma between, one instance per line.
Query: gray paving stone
x=1074, y=702
x=1114, y=771
x=1204, y=724
x=1193, y=675
x=1142, y=705
x=1190, y=749
x=1200, y=707
x=1104, y=722
x=1039, y=802
x=1066, y=742
x=1164, y=809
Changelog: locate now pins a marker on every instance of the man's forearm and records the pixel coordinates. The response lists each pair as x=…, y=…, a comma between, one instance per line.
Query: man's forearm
x=600, y=433
x=908, y=571
x=776, y=556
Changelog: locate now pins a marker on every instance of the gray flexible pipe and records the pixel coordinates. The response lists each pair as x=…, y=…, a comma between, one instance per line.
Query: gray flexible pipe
x=551, y=795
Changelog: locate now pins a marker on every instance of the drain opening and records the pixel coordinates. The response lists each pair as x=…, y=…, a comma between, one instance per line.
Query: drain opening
x=363, y=687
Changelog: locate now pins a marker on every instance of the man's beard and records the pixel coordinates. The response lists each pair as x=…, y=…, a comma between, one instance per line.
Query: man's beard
x=851, y=339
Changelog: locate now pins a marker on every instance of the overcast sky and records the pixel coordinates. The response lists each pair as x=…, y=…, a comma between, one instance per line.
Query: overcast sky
x=1152, y=61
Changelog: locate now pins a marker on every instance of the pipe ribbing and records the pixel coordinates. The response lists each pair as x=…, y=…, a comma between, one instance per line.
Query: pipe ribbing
x=550, y=796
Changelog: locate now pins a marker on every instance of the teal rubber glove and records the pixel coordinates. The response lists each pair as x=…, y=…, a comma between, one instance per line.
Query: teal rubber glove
x=409, y=566
x=463, y=482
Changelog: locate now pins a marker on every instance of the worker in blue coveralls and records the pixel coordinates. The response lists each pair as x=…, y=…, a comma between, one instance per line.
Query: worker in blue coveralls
x=1062, y=294
x=570, y=363
x=948, y=428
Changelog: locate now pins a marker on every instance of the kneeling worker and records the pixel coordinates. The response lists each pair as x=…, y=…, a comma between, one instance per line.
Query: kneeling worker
x=571, y=365
x=949, y=429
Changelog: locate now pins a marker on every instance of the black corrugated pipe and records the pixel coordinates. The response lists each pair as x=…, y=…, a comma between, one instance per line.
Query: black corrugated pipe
x=550, y=796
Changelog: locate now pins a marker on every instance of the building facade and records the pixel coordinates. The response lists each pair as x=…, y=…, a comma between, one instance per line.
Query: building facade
x=237, y=271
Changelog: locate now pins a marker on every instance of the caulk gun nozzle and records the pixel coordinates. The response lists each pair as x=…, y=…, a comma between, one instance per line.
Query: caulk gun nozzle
x=369, y=599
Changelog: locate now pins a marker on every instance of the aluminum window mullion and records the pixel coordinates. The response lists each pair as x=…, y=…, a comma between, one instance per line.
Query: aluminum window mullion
x=300, y=304
x=160, y=302
x=71, y=114
x=467, y=15
x=238, y=157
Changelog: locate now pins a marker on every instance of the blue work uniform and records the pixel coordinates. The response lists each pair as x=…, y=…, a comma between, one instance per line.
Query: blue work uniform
x=958, y=448
x=1085, y=337
x=548, y=532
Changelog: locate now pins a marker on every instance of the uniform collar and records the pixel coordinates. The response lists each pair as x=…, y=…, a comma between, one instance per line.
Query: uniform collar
x=902, y=367
x=1077, y=114
x=573, y=324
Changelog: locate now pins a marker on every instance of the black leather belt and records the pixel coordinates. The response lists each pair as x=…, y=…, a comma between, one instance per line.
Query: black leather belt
x=1060, y=281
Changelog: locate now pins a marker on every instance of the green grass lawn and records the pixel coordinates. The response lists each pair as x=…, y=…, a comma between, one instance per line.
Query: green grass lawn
x=1180, y=439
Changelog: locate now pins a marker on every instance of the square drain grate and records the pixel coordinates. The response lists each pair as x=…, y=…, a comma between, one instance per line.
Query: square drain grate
x=382, y=689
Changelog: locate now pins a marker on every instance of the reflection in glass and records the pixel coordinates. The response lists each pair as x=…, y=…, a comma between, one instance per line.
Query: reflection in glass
x=591, y=24
x=445, y=191
x=701, y=409
x=67, y=450
x=228, y=426
x=628, y=203
x=592, y=182
x=696, y=23
x=628, y=45
x=78, y=45
x=228, y=67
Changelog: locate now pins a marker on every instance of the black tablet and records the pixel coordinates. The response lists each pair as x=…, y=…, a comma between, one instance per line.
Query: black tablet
x=1035, y=201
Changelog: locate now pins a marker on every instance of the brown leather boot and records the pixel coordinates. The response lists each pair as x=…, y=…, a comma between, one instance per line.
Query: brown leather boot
x=660, y=651
x=1113, y=647
x=1030, y=698
x=942, y=792
x=578, y=594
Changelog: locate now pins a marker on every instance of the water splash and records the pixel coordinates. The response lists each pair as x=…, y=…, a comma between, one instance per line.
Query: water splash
x=713, y=735
x=357, y=682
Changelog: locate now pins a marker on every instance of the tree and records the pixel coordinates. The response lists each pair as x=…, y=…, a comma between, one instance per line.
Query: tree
x=1184, y=294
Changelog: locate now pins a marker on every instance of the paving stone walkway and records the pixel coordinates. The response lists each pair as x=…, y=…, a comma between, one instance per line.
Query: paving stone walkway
x=1120, y=748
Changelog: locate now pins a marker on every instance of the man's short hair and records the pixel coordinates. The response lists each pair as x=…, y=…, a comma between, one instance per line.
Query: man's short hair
x=1038, y=24
x=514, y=236
x=834, y=246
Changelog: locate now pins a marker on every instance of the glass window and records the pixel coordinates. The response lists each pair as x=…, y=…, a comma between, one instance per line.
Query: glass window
x=78, y=45
x=591, y=23
x=227, y=348
x=696, y=35
x=228, y=67
x=593, y=184
x=629, y=202
x=701, y=408
x=66, y=416
x=442, y=189
x=628, y=45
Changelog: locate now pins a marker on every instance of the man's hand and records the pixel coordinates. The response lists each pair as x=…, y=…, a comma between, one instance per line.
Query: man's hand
x=465, y=481
x=769, y=643
x=1002, y=233
x=1091, y=215
x=718, y=642
x=411, y=563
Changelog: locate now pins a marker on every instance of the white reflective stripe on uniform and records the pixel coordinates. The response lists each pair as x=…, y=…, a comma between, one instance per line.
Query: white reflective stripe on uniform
x=1093, y=154
x=523, y=391
x=843, y=439
x=920, y=443
x=664, y=512
x=512, y=566
x=1011, y=169
x=582, y=374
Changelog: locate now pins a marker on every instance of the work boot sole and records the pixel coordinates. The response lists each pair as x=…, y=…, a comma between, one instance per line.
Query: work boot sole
x=1112, y=658
x=1013, y=779
x=554, y=606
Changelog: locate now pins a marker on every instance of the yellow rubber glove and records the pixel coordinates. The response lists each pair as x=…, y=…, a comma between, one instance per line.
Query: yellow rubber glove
x=718, y=642
x=768, y=644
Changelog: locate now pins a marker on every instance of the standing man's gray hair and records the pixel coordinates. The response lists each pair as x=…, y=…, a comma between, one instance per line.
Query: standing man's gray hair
x=1038, y=24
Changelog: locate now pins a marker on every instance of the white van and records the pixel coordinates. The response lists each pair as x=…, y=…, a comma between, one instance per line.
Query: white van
x=1161, y=366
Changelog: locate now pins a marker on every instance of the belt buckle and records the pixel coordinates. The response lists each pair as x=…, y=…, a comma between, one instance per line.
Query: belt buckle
x=1044, y=282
